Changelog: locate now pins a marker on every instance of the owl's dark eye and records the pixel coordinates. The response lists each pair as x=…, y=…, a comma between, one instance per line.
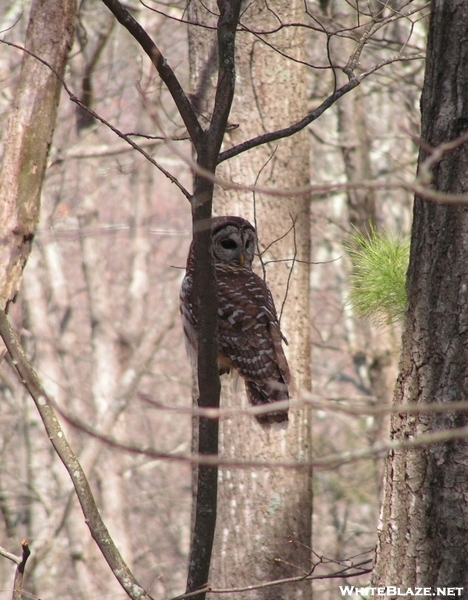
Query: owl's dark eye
x=229, y=244
x=247, y=244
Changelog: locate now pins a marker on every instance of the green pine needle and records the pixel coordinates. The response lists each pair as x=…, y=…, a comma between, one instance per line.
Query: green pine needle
x=377, y=284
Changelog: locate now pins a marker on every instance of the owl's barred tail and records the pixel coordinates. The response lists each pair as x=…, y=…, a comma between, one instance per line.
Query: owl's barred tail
x=268, y=392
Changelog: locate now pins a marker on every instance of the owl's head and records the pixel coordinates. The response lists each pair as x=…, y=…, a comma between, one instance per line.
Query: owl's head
x=234, y=241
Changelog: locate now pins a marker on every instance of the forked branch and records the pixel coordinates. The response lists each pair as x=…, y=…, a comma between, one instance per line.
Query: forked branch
x=186, y=111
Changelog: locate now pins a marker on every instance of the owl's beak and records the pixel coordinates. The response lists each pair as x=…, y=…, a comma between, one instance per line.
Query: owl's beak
x=241, y=260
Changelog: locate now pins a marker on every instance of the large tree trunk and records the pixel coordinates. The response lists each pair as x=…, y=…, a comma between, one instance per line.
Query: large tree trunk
x=30, y=129
x=26, y=148
x=264, y=515
x=424, y=522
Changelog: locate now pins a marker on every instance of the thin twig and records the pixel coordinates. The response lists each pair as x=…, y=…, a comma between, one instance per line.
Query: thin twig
x=335, y=404
x=291, y=270
x=353, y=570
x=9, y=555
x=254, y=195
x=98, y=117
x=19, y=574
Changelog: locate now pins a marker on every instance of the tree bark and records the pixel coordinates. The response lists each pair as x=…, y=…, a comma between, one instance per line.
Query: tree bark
x=208, y=146
x=264, y=515
x=30, y=129
x=424, y=519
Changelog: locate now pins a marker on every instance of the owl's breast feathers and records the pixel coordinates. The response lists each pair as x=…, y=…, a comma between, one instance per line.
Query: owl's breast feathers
x=249, y=337
x=248, y=327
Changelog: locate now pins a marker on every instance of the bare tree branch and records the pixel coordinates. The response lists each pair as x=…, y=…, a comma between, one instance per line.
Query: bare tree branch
x=206, y=299
x=19, y=574
x=335, y=404
x=352, y=570
x=327, y=462
x=165, y=72
x=98, y=117
x=63, y=449
x=10, y=555
x=272, y=136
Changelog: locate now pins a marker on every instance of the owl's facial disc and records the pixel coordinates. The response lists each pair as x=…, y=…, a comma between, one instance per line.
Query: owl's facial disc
x=227, y=245
x=234, y=244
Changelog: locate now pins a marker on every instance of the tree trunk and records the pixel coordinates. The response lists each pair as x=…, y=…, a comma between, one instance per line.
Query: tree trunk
x=424, y=520
x=26, y=148
x=30, y=129
x=264, y=515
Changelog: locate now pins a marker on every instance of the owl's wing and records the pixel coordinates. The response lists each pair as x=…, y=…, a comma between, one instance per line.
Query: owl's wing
x=248, y=328
x=189, y=321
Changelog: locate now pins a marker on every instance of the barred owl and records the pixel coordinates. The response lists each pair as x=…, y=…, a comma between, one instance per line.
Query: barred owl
x=249, y=335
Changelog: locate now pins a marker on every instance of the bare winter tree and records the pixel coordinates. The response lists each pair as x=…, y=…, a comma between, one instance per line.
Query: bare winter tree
x=423, y=518
x=26, y=146
x=30, y=129
x=268, y=534
x=68, y=279
x=97, y=310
